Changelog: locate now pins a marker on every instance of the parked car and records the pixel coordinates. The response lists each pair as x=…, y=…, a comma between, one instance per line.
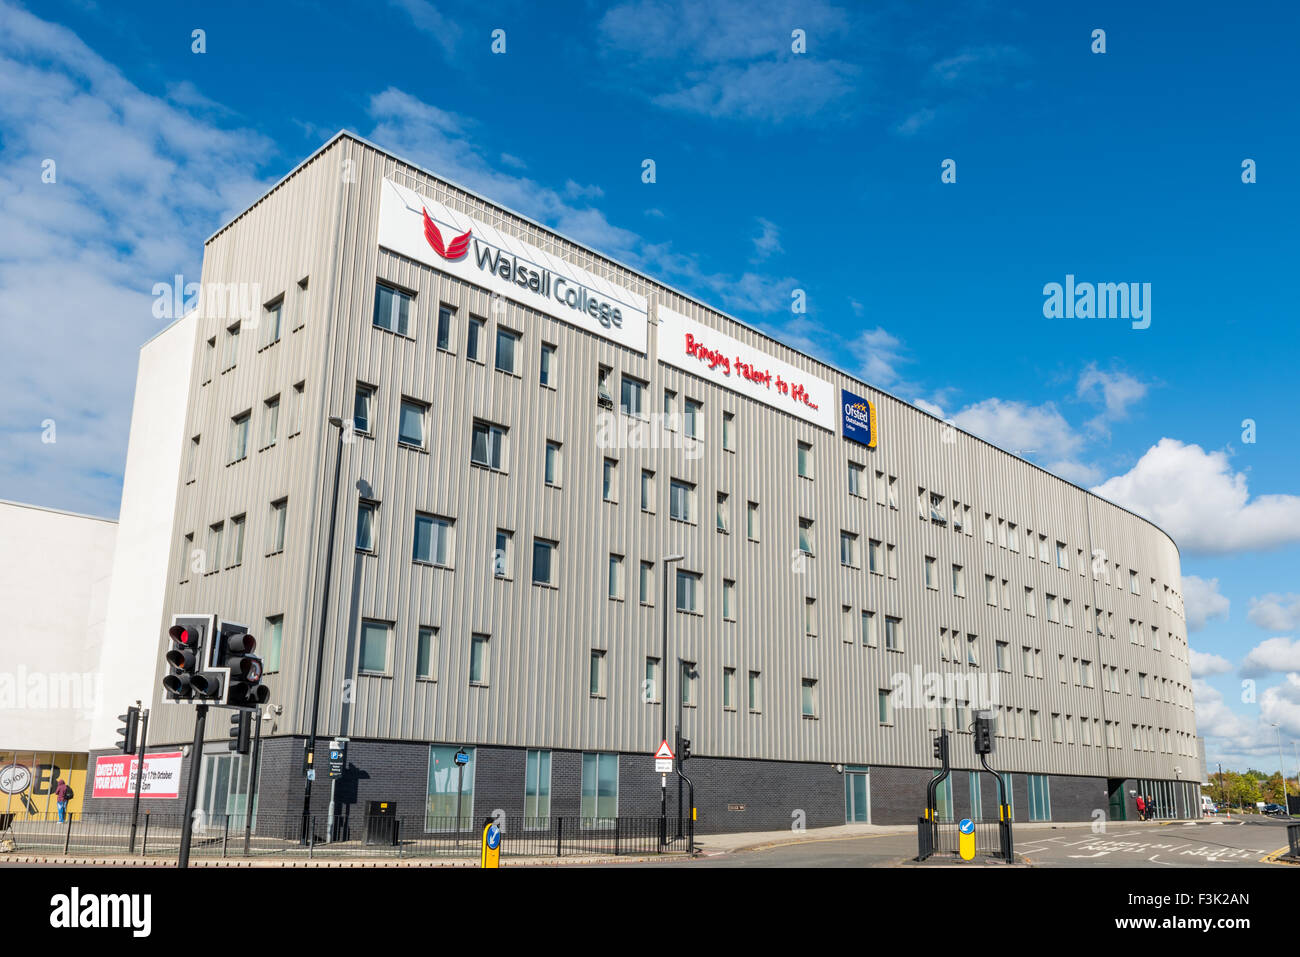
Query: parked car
x=1276, y=810
x=1207, y=805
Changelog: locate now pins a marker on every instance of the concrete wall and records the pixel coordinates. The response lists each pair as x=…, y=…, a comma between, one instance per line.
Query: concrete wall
x=127, y=657
x=54, y=572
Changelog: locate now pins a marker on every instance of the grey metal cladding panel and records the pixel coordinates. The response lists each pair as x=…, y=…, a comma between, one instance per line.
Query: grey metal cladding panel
x=286, y=238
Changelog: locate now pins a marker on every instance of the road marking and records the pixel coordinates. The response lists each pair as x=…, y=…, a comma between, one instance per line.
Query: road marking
x=1272, y=856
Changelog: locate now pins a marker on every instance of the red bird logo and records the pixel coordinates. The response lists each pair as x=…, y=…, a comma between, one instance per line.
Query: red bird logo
x=458, y=246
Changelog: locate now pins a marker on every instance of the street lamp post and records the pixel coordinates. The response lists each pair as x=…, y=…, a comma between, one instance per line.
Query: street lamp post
x=1281, y=763
x=320, y=643
x=663, y=709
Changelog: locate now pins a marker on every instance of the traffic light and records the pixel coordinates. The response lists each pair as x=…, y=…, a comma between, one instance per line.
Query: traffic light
x=130, y=724
x=983, y=734
x=244, y=688
x=938, y=747
x=685, y=751
x=941, y=748
x=187, y=635
x=241, y=731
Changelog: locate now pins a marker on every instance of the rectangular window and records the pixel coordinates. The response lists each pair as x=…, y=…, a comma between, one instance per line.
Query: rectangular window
x=374, y=647
x=275, y=535
x=728, y=600
x=450, y=789
x=392, y=309
x=806, y=536
x=728, y=431
x=599, y=805
x=445, y=314
x=755, y=686
x=295, y=408
x=869, y=636
x=751, y=520
x=544, y=571
x=433, y=540
x=688, y=681
x=670, y=409
x=1040, y=799
x=272, y=319
x=192, y=459
x=880, y=488
x=488, y=445
x=212, y=558
x=691, y=419
x=209, y=359
x=479, y=646
x=804, y=460
x=503, y=557
x=239, y=436
x=849, y=550
x=551, y=465
x=647, y=583
x=885, y=706
x=1013, y=540
x=959, y=581
x=1068, y=613
x=410, y=424
x=1062, y=556
x=270, y=421
x=892, y=492
x=609, y=481
x=603, y=397
x=507, y=342
x=729, y=689
x=274, y=639
x=808, y=697
x=187, y=556
x=931, y=573
x=988, y=528
x=474, y=339
x=232, y=348
x=537, y=789
x=650, y=689
x=688, y=591
x=632, y=397
x=1002, y=653
x=616, y=577
x=893, y=633
x=990, y=591
x=366, y=526
x=810, y=616
x=647, y=490
x=426, y=654
x=361, y=409
x=875, y=558
x=546, y=375
x=857, y=480
x=1030, y=607
x=681, y=501
x=596, y=683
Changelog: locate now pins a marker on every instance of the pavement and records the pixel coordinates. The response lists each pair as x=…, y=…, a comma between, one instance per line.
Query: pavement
x=1205, y=842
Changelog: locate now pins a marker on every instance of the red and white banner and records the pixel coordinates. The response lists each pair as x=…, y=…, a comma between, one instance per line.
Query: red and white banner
x=115, y=776
x=730, y=363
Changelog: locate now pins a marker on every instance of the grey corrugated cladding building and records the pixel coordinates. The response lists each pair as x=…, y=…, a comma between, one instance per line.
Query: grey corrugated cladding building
x=516, y=479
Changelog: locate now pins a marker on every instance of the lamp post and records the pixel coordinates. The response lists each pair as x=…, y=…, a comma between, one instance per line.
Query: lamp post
x=320, y=643
x=663, y=710
x=1281, y=763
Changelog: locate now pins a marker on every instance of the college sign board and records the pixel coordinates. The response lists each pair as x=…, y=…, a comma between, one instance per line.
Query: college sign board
x=419, y=228
x=858, y=418
x=703, y=351
x=114, y=776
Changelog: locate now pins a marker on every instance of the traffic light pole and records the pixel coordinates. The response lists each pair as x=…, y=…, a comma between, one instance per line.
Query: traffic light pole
x=192, y=791
x=252, y=780
x=320, y=644
x=139, y=773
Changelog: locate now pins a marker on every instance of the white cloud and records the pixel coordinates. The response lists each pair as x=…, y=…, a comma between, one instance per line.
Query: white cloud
x=916, y=122
x=142, y=180
x=1281, y=705
x=1274, y=612
x=1196, y=497
x=1202, y=665
x=1114, y=391
x=1272, y=656
x=429, y=20
x=768, y=241
x=1202, y=601
x=724, y=59
x=877, y=356
x=1037, y=432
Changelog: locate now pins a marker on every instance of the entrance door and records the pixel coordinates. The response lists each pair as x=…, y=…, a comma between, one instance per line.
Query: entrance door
x=857, y=796
x=1117, y=799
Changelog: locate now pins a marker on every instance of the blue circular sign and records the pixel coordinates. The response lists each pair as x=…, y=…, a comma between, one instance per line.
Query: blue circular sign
x=493, y=837
x=967, y=826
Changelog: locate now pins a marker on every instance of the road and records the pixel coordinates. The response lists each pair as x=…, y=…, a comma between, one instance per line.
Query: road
x=1215, y=844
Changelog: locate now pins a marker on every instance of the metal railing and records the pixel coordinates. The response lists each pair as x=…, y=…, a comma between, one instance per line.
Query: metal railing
x=158, y=835
x=992, y=839
x=1293, y=838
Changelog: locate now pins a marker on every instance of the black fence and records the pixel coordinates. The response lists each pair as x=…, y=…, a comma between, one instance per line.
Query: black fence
x=1293, y=838
x=992, y=839
x=158, y=835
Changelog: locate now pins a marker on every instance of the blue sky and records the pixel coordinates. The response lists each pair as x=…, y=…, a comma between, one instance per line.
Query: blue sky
x=775, y=171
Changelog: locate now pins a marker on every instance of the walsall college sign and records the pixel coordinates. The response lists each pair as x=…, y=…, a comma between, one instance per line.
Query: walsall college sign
x=421, y=229
x=702, y=351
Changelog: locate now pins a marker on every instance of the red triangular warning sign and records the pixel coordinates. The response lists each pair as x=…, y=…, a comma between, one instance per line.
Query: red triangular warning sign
x=664, y=751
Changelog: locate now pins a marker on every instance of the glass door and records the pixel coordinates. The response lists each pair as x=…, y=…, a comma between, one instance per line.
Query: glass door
x=857, y=796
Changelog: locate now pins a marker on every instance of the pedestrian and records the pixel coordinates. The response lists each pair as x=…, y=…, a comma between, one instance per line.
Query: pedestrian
x=1151, y=807
x=61, y=795
x=1142, y=808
